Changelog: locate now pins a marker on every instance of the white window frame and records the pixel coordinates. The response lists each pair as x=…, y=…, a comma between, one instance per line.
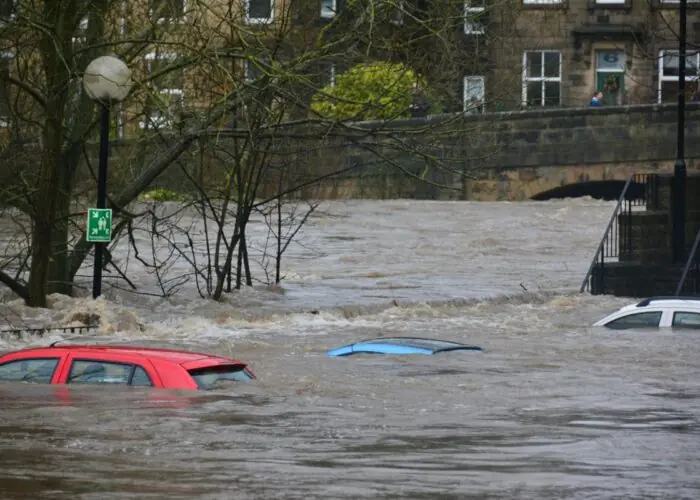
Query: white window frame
x=676, y=2
x=465, y=93
x=121, y=125
x=472, y=27
x=177, y=19
x=542, y=2
x=259, y=20
x=331, y=75
x=9, y=57
x=542, y=79
x=610, y=2
x=161, y=121
x=333, y=9
x=674, y=78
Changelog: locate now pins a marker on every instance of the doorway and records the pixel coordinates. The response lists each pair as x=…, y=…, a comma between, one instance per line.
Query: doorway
x=610, y=76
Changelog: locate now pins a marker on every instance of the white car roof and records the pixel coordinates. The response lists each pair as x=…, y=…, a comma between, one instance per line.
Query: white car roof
x=691, y=304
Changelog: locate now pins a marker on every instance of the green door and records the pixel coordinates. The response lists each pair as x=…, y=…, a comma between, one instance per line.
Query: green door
x=612, y=85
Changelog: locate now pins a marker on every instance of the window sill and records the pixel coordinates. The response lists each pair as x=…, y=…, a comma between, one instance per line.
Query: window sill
x=259, y=20
x=661, y=5
x=562, y=5
x=595, y=5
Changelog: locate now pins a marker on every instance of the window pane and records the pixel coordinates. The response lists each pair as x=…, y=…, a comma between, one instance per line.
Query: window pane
x=474, y=18
x=327, y=75
x=260, y=9
x=207, y=378
x=639, y=320
x=327, y=8
x=141, y=378
x=691, y=65
x=551, y=64
x=686, y=320
x=534, y=64
x=670, y=64
x=669, y=90
x=99, y=372
x=611, y=60
x=29, y=370
x=534, y=94
x=473, y=94
x=552, y=93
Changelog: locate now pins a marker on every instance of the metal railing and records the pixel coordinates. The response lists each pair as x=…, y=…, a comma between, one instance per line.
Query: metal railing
x=640, y=189
x=18, y=333
x=692, y=267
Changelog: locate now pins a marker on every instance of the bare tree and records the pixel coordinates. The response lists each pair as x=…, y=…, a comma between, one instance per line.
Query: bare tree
x=222, y=110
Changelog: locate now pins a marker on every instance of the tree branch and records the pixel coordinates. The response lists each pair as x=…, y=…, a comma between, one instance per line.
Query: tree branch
x=33, y=92
x=14, y=285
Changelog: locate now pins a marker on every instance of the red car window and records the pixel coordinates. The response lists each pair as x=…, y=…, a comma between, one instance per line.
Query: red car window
x=36, y=370
x=91, y=371
x=207, y=378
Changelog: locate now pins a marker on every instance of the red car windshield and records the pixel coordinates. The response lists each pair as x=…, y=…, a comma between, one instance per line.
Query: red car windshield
x=207, y=378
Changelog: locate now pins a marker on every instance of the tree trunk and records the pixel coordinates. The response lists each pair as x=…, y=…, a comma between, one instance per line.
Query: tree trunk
x=59, y=280
x=45, y=208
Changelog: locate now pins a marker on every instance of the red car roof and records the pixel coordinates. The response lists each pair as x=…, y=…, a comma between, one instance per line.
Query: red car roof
x=172, y=355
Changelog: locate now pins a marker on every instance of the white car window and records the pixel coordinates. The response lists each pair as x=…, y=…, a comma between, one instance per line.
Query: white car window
x=686, y=319
x=636, y=320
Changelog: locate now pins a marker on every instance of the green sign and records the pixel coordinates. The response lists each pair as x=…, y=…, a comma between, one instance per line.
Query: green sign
x=99, y=225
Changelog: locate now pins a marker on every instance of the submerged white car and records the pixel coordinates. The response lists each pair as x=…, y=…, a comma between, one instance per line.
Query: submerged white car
x=677, y=312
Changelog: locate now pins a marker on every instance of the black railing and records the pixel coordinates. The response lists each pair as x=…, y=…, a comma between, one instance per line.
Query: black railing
x=640, y=189
x=691, y=270
x=18, y=333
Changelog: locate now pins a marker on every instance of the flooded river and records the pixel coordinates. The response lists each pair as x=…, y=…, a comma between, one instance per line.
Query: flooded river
x=553, y=409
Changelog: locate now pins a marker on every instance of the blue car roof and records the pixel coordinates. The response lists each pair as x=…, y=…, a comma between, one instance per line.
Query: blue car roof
x=401, y=345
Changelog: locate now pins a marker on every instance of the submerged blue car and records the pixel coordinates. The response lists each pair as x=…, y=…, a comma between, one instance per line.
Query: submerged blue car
x=401, y=345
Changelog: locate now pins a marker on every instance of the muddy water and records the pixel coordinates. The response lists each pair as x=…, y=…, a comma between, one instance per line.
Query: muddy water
x=552, y=409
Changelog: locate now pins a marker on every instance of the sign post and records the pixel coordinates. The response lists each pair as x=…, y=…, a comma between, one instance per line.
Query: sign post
x=99, y=225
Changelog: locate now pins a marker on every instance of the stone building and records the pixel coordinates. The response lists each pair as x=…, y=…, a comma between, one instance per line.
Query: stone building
x=560, y=52
x=505, y=55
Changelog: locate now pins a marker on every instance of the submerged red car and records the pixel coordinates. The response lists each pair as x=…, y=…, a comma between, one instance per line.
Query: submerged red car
x=123, y=365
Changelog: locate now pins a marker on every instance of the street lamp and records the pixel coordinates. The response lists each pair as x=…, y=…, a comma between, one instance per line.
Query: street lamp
x=107, y=80
x=679, y=168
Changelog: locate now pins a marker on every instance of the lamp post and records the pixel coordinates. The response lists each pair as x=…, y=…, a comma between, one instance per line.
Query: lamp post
x=679, y=168
x=107, y=80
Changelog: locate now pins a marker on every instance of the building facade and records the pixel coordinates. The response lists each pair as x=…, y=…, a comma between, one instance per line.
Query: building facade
x=482, y=55
x=561, y=52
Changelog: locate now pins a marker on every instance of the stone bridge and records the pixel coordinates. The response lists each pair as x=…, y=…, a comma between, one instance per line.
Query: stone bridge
x=534, y=155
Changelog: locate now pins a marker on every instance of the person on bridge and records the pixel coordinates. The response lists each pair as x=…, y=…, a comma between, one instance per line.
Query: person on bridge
x=597, y=100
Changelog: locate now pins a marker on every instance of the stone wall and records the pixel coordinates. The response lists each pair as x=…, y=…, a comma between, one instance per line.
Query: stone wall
x=496, y=156
x=516, y=155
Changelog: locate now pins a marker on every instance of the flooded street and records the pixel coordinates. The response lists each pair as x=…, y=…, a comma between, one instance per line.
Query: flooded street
x=552, y=409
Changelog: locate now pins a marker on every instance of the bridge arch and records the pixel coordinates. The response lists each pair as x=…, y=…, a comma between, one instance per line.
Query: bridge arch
x=609, y=189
